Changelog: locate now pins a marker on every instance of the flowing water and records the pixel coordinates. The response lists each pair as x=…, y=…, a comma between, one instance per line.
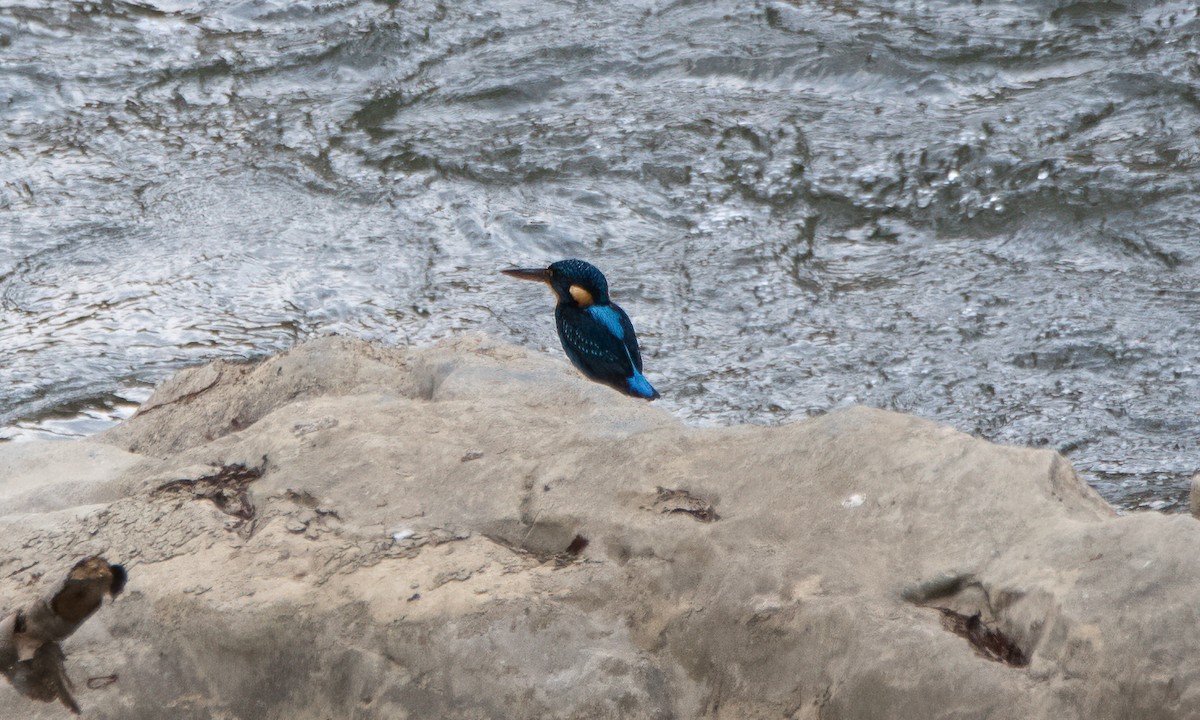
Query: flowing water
x=982, y=213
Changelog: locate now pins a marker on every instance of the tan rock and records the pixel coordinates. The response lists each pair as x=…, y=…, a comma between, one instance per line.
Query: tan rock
x=472, y=531
x=45, y=476
x=1194, y=496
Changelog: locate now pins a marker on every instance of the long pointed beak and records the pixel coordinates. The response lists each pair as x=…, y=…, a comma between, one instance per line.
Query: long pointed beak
x=535, y=274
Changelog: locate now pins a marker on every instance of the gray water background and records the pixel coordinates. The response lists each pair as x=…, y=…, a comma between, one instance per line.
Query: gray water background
x=981, y=213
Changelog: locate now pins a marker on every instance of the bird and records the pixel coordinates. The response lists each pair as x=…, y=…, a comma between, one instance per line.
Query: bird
x=595, y=332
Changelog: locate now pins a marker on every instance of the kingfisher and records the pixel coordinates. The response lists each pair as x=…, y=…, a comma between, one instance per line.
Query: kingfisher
x=595, y=332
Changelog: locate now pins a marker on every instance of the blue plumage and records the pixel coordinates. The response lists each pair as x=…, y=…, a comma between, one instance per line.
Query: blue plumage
x=610, y=318
x=638, y=385
x=595, y=332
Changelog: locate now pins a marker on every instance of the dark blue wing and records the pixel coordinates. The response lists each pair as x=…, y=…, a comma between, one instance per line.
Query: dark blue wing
x=592, y=346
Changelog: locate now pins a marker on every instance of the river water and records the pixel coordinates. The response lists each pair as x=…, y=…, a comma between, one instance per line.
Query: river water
x=981, y=213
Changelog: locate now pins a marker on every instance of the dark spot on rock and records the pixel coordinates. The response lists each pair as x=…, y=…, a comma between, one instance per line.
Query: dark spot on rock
x=303, y=497
x=414, y=596
x=119, y=578
x=571, y=554
x=577, y=545
x=95, y=683
x=682, y=501
x=989, y=642
x=226, y=488
x=473, y=455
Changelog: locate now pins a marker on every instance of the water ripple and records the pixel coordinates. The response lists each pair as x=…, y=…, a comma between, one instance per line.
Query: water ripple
x=969, y=212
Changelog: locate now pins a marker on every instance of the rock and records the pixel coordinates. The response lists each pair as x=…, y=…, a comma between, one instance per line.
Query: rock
x=47, y=476
x=1194, y=496
x=580, y=554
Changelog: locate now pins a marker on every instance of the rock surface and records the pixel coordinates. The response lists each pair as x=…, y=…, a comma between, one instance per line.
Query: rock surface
x=472, y=531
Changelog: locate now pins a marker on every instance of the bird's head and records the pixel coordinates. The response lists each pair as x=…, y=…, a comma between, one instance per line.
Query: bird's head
x=574, y=282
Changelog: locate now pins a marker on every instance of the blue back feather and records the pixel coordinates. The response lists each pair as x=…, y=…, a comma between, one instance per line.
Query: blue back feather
x=609, y=318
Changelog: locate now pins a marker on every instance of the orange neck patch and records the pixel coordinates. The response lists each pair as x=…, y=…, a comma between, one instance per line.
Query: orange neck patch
x=581, y=296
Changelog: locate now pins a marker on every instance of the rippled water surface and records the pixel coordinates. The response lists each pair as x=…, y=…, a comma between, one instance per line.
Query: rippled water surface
x=982, y=213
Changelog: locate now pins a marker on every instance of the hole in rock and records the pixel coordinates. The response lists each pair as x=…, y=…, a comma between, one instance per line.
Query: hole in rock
x=544, y=539
x=969, y=610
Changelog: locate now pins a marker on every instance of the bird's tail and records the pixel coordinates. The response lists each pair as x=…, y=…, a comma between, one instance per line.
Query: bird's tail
x=639, y=386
